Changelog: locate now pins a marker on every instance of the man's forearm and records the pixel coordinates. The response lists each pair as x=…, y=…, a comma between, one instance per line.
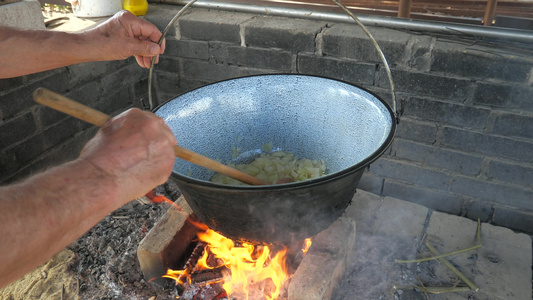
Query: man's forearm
x=43, y=215
x=25, y=52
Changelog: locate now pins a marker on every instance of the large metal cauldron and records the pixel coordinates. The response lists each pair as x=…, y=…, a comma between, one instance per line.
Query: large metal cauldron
x=313, y=117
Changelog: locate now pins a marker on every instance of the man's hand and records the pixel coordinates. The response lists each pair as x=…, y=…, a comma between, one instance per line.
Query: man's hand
x=134, y=149
x=41, y=215
x=125, y=35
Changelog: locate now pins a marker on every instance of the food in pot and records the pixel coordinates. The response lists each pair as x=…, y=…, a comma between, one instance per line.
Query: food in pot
x=276, y=167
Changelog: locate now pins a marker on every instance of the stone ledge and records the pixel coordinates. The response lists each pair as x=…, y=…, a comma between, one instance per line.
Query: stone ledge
x=324, y=266
x=26, y=15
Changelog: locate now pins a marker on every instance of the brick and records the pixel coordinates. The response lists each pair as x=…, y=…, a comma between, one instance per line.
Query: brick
x=442, y=228
x=437, y=157
x=60, y=132
x=514, y=125
x=486, y=144
x=442, y=233
x=362, y=209
x=478, y=209
x=474, y=62
x=26, y=151
x=184, y=85
x=31, y=78
x=204, y=71
x=504, y=96
x=163, y=97
x=272, y=59
x=166, y=243
x=371, y=183
x=169, y=64
x=296, y=35
x=166, y=81
x=493, y=192
x=441, y=201
x=398, y=218
x=187, y=49
x=188, y=84
x=47, y=116
x=518, y=174
x=349, y=41
x=323, y=267
x=87, y=94
x=9, y=84
x=8, y=165
x=122, y=77
x=115, y=103
x=383, y=94
x=17, y=129
x=503, y=265
x=211, y=25
x=420, y=52
x=140, y=93
x=446, y=113
x=516, y=219
x=65, y=151
x=113, y=65
x=417, y=131
x=86, y=72
x=427, y=85
x=349, y=71
x=410, y=173
x=21, y=99
x=160, y=15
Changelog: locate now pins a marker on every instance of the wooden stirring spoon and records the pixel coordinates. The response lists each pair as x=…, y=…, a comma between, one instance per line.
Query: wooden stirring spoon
x=87, y=114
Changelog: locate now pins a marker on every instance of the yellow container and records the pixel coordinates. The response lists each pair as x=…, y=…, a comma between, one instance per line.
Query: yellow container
x=136, y=7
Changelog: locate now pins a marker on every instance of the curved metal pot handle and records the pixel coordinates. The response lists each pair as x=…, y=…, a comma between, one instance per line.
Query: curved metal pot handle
x=374, y=42
x=381, y=55
x=170, y=24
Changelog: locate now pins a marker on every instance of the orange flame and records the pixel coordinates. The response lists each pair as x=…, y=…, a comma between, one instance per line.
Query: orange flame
x=248, y=265
x=176, y=275
x=307, y=245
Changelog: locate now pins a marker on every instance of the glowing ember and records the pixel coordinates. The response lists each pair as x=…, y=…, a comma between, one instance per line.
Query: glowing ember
x=307, y=245
x=249, y=266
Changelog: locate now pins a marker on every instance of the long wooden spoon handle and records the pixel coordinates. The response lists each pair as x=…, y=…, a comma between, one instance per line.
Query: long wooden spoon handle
x=87, y=114
x=70, y=107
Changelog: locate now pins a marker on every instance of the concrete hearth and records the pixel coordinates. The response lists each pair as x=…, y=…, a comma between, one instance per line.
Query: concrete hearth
x=387, y=229
x=25, y=14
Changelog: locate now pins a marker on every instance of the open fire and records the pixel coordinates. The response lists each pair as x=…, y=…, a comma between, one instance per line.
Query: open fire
x=243, y=270
x=177, y=243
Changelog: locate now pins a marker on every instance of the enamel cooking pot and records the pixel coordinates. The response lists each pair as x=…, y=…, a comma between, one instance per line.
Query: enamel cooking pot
x=312, y=117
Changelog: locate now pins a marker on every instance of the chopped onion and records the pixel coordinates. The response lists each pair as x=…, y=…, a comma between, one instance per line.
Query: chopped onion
x=272, y=167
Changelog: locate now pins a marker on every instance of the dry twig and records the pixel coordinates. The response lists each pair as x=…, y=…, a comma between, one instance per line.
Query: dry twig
x=452, y=268
x=441, y=258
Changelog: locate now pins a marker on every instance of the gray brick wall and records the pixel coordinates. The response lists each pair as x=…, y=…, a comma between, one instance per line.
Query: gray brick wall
x=464, y=145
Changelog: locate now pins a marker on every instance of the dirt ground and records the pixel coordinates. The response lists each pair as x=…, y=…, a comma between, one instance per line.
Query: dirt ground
x=103, y=263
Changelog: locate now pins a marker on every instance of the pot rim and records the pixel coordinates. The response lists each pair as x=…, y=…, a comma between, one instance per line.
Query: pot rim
x=299, y=184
